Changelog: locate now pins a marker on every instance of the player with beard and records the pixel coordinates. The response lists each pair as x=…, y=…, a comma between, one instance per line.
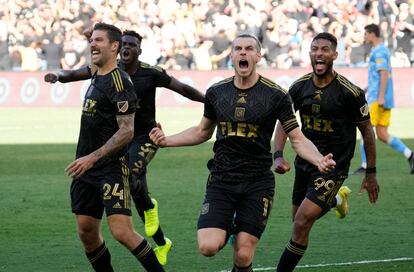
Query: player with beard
x=244, y=108
x=141, y=150
x=330, y=108
x=100, y=174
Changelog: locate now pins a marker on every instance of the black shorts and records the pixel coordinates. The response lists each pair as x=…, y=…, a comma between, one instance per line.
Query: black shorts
x=140, y=152
x=250, y=202
x=106, y=189
x=319, y=188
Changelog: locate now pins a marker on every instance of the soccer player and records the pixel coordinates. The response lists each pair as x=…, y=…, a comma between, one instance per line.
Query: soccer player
x=380, y=96
x=141, y=150
x=330, y=108
x=100, y=174
x=240, y=187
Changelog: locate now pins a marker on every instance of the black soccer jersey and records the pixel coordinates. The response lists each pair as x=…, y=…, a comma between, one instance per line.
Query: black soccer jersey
x=245, y=123
x=108, y=96
x=146, y=79
x=329, y=116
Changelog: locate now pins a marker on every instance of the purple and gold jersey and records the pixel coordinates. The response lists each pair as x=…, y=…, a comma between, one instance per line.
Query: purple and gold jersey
x=246, y=120
x=108, y=96
x=329, y=116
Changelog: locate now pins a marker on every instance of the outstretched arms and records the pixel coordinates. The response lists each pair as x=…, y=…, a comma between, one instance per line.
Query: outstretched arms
x=185, y=90
x=69, y=75
x=191, y=136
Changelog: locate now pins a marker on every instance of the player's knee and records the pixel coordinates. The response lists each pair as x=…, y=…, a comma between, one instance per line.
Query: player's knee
x=382, y=137
x=89, y=237
x=243, y=256
x=208, y=249
x=122, y=235
x=302, y=222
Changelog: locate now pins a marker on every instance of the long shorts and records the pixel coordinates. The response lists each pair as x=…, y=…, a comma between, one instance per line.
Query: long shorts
x=107, y=189
x=380, y=116
x=319, y=188
x=250, y=202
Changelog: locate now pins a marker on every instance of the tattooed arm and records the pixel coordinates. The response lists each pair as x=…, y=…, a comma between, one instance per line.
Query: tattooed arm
x=122, y=137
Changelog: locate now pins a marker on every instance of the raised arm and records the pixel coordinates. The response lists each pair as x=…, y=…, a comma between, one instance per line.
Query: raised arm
x=308, y=151
x=69, y=75
x=370, y=182
x=121, y=138
x=186, y=90
x=191, y=136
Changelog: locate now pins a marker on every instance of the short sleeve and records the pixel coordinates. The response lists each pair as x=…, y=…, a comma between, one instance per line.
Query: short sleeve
x=381, y=60
x=358, y=106
x=286, y=114
x=162, y=78
x=124, y=97
x=209, y=111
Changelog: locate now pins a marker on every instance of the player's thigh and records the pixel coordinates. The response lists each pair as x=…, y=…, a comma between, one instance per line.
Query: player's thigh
x=211, y=237
x=141, y=151
x=86, y=197
x=323, y=188
x=254, y=206
x=300, y=186
x=218, y=206
x=384, y=118
x=115, y=189
x=379, y=115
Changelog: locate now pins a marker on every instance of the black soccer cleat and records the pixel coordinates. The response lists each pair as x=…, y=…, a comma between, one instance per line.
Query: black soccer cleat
x=411, y=162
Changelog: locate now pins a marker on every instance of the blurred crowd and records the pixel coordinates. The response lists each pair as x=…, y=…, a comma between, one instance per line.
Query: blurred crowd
x=196, y=34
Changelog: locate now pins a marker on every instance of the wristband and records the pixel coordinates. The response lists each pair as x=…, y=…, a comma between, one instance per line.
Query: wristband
x=371, y=170
x=277, y=154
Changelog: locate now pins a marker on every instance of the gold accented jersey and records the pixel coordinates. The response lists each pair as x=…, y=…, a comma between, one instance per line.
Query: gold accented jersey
x=108, y=96
x=329, y=117
x=245, y=123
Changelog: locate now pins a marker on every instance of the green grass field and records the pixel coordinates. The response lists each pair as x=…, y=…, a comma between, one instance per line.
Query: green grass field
x=37, y=229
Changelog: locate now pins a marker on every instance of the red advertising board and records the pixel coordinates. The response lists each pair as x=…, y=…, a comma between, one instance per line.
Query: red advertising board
x=27, y=89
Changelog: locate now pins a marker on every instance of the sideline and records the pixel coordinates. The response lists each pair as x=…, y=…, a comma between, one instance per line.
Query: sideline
x=402, y=259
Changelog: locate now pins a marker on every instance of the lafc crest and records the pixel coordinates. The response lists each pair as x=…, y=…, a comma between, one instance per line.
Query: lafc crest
x=122, y=106
x=239, y=113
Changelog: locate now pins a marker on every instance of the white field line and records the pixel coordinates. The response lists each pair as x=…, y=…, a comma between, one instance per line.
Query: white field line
x=336, y=264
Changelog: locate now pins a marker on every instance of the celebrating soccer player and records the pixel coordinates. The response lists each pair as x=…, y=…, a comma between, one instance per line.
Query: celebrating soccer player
x=240, y=187
x=330, y=108
x=99, y=172
x=141, y=150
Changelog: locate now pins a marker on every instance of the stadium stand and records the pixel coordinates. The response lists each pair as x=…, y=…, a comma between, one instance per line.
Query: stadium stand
x=194, y=34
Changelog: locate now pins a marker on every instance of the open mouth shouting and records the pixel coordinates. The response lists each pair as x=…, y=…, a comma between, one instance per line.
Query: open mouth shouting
x=125, y=54
x=320, y=65
x=243, y=65
x=95, y=54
